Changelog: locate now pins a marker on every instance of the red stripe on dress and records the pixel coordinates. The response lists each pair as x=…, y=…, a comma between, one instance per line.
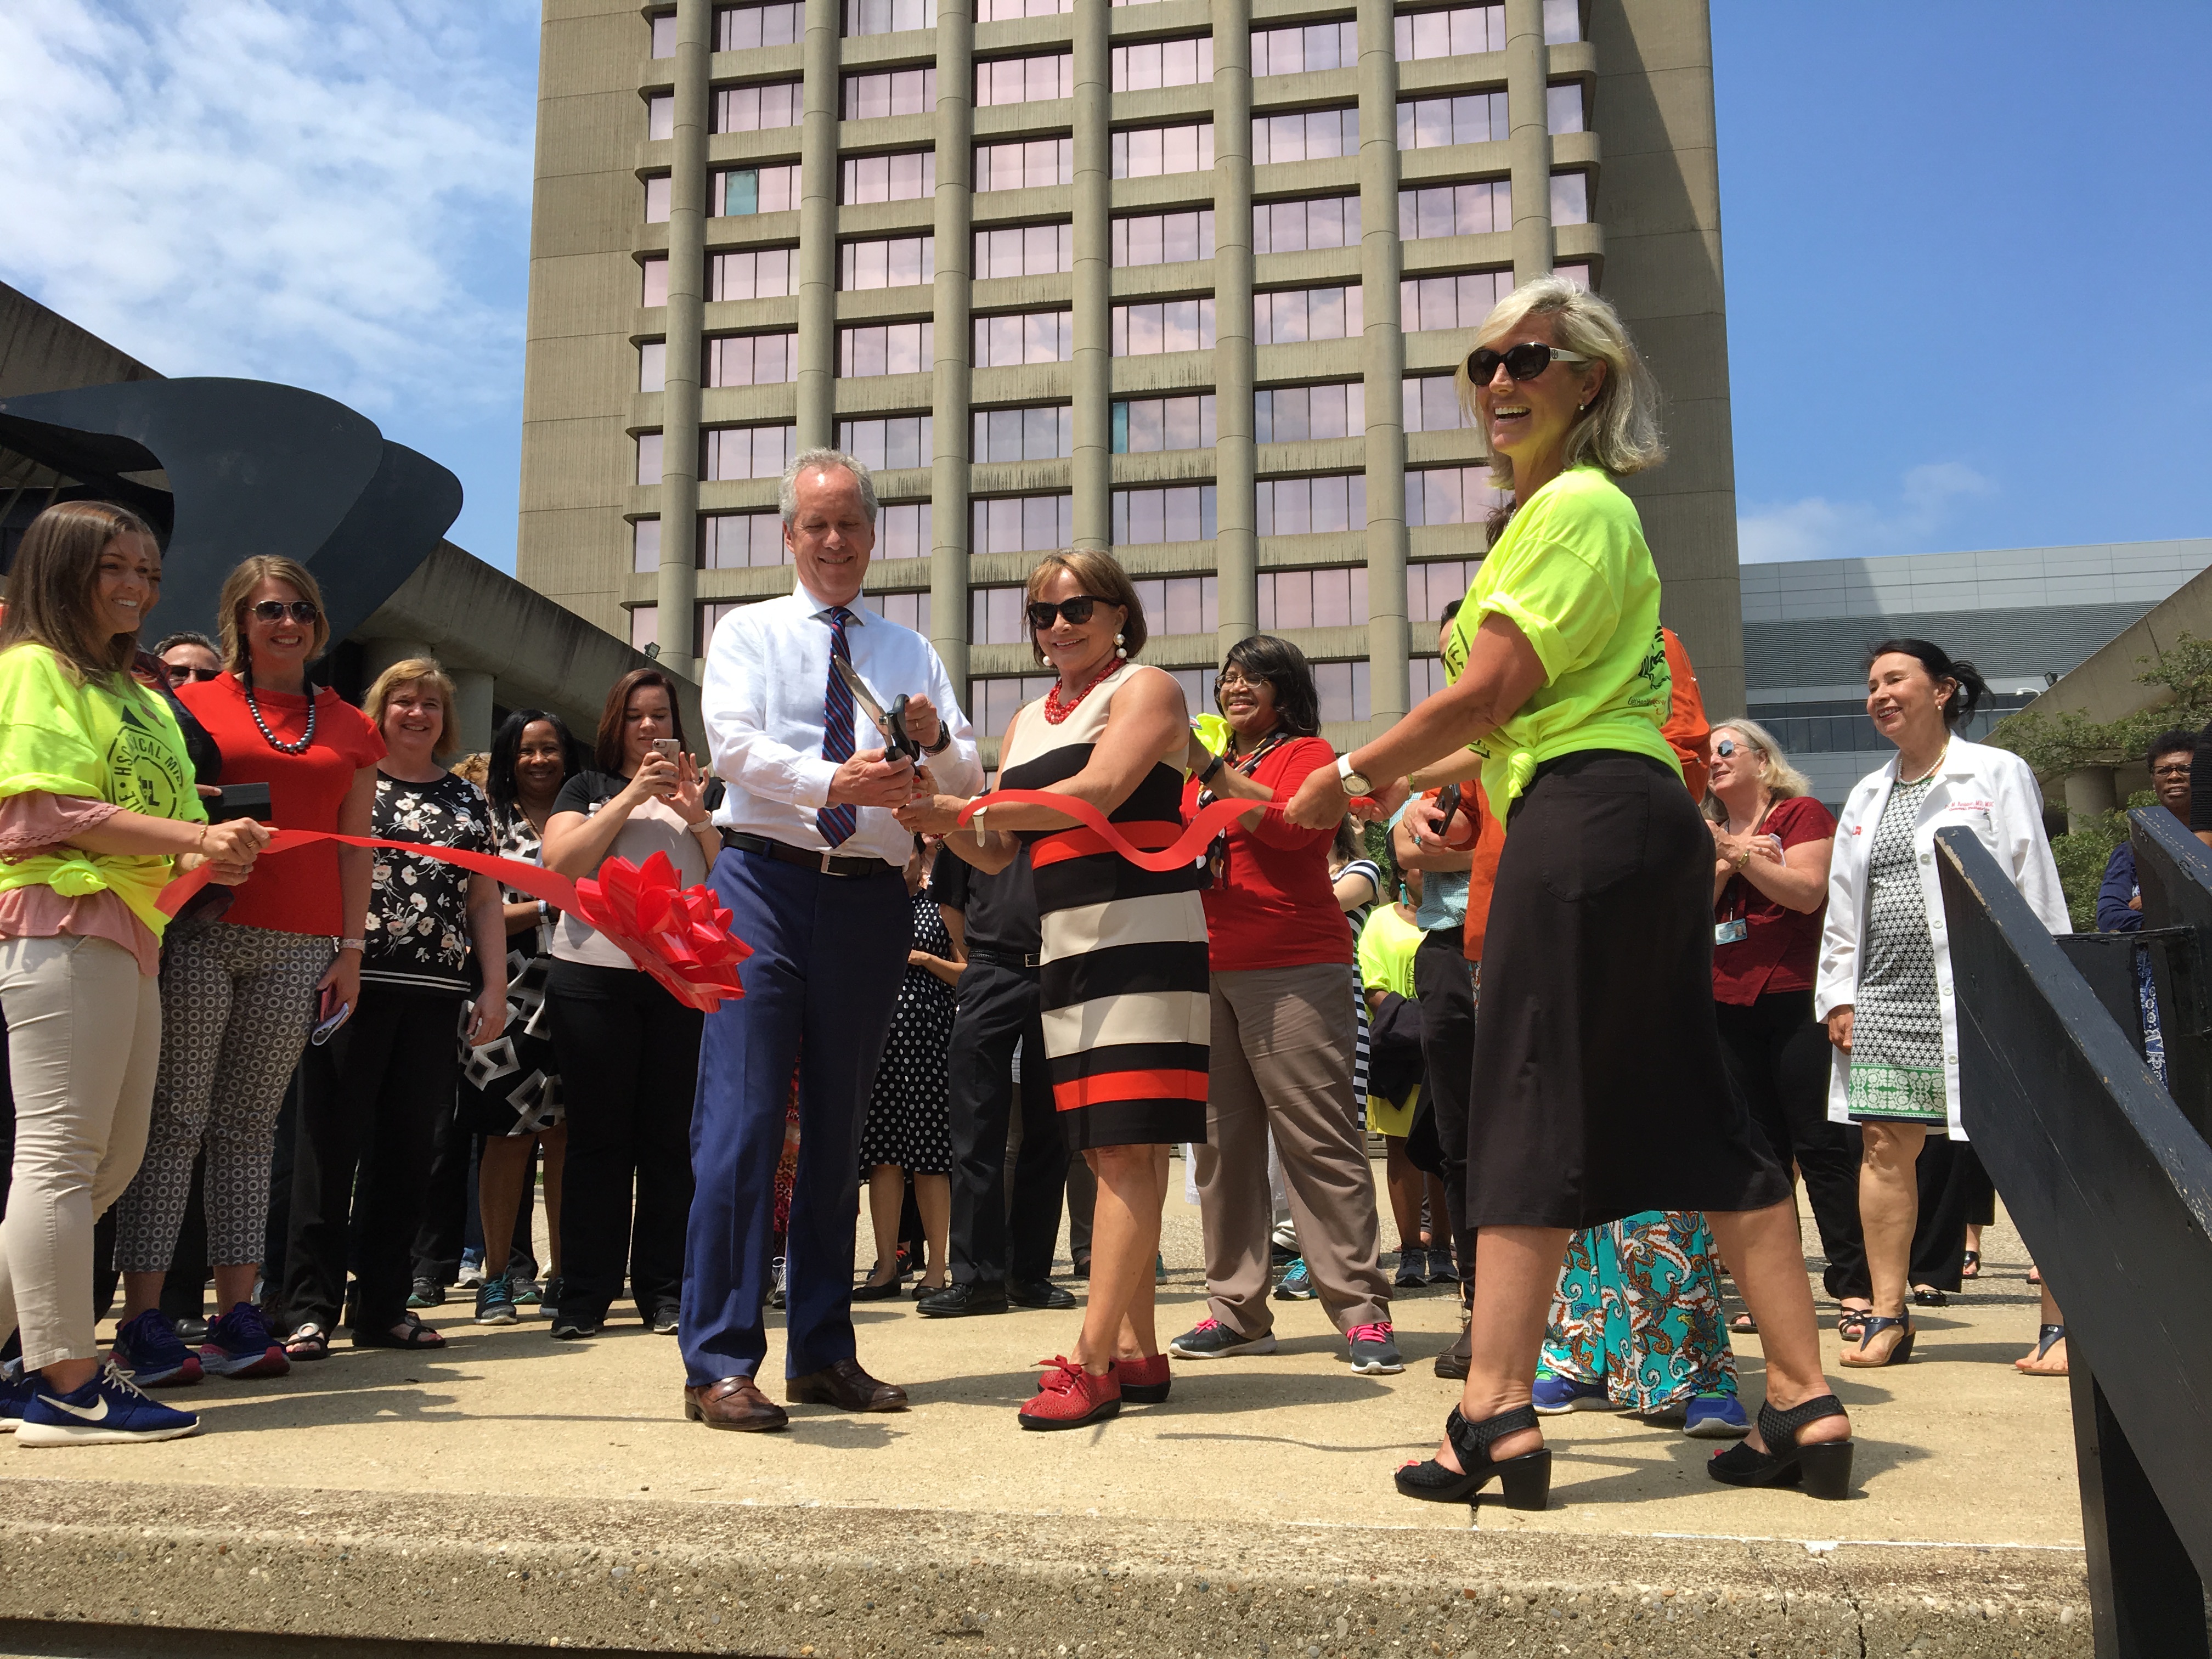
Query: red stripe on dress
x=1082, y=843
x=1128, y=1085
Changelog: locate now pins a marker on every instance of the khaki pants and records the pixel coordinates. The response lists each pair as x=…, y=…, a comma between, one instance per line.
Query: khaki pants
x=84, y=1040
x=1281, y=1060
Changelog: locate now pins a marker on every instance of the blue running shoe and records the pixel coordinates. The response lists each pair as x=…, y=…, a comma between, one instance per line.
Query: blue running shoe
x=150, y=1351
x=107, y=1409
x=16, y=1387
x=239, y=1345
x=1556, y=1395
x=1716, y=1417
x=1297, y=1283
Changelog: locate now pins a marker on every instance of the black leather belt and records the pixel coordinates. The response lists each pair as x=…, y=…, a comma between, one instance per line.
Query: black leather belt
x=1025, y=959
x=828, y=863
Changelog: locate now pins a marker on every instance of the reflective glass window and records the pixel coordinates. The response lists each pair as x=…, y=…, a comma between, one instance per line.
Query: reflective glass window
x=1303, y=507
x=741, y=541
x=764, y=273
x=1185, y=63
x=1022, y=523
x=743, y=190
x=1025, y=164
x=657, y=199
x=1563, y=108
x=752, y=360
x=894, y=91
x=1143, y=331
x=1311, y=134
x=645, y=546
x=747, y=452
x=1296, y=227
x=1292, y=414
x=1025, y=80
x=1461, y=301
x=1163, y=239
x=755, y=109
x=1145, y=518
x=1432, y=405
x=1570, y=198
x=652, y=365
x=1025, y=250
x=1469, y=210
x=900, y=440
x=887, y=349
x=745, y=28
x=887, y=16
x=1473, y=117
x=648, y=457
x=1152, y=152
x=893, y=262
x=1449, y=494
x=1453, y=33
x=654, y=281
x=1290, y=315
x=1024, y=337
x=660, y=115
x=903, y=176
x=1144, y=426
x=1313, y=599
x=1042, y=432
x=1300, y=51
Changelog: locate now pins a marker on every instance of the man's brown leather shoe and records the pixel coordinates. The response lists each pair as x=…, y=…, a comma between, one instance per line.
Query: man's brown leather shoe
x=845, y=1384
x=735, y=1403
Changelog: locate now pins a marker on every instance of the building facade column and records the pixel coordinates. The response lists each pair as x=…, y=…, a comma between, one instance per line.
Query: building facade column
x=951, y=327
x=1093, y=468
x=1528, y=149
x=468, y=722
x=2090, y=790
x=1380, y=264
x=817, y=230
x=1235, y=456
x=680, y=447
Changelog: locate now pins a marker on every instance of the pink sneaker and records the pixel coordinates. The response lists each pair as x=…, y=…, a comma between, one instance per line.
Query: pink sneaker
x=1071, y=1397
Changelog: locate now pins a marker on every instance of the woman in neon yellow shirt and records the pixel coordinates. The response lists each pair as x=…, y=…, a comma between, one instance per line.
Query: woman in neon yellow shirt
x=1597, y=1059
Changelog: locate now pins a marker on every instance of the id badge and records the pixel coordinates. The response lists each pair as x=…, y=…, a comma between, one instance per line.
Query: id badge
x=1731, y=933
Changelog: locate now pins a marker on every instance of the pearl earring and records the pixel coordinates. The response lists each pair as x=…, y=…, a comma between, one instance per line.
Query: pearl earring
x=1118, y=650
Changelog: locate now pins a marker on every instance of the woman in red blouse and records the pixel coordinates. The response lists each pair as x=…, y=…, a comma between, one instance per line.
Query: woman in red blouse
x=1770, y=846
x=1285, y=1027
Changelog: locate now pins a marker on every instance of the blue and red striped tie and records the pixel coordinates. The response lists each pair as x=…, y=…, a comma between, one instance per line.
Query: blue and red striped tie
x=837, y=823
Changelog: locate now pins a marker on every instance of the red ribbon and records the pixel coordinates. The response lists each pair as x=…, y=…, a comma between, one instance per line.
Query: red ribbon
x=679, y=935
x=1185, y=849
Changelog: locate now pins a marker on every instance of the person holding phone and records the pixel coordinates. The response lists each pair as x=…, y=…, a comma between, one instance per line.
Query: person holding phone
x=240, y=994
x=629, y=1051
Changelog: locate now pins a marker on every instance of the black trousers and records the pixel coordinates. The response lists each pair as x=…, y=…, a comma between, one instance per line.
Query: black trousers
x=998, y=1234
x=1778, y=1055
x=1443, y=984
x=1955, y=1190
x=629, y=1069
x=369, y=1104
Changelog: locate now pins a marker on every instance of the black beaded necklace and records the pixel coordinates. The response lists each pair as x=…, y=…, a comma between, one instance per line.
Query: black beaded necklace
x=272, y=739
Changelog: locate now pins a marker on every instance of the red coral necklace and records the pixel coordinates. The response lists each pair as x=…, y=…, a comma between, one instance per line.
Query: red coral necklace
x=1056, y=711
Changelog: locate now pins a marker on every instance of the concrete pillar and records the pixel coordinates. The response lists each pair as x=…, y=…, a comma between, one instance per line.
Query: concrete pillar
x=949, y=514
x=1236, y=546
x=1528, y=76
x=1381, y=263
x=377, y=655
x=1093, y=468
x=468, y=723
x=678, y=578
x=2089, y=790
x=817, y=231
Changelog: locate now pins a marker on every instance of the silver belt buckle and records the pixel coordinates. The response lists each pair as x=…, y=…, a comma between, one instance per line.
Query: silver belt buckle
x=826, y=857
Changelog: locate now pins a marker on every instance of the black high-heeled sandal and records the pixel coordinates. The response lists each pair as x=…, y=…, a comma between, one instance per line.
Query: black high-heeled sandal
x=1873, y=1326
x=1824, y=1468
x=1526, y=1480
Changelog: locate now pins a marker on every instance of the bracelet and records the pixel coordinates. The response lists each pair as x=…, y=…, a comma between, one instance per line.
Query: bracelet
x=1741, y=860
x=360, y=944
x=200, y=846
x=1206, y=777
x=978, y=822
x=943, y=739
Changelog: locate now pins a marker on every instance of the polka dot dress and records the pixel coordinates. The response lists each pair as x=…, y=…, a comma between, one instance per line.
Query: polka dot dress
x=907, y=1123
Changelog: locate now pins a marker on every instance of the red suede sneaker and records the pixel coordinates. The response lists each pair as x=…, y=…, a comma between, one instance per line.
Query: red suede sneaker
x=1071, y=1397
x=1144, y=1381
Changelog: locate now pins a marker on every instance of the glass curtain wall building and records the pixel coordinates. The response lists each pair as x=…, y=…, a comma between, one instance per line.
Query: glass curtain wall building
x=1182, y=278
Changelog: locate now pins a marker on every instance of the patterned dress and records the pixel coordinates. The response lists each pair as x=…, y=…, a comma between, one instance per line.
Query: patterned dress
x=1897, y=1021
x=1128, y=1021
x=512, y=1085
x=1638, y=1309
x=908, y=1121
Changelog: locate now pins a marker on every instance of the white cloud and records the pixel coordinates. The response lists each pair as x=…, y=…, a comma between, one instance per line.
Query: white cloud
x=1815, y=527
x=331, y=193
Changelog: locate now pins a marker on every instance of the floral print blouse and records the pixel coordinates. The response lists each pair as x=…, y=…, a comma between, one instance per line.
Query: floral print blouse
x=418, y=918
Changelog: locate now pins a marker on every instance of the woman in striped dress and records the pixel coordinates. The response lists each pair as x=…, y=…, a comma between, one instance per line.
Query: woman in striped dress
x=1127, y=1017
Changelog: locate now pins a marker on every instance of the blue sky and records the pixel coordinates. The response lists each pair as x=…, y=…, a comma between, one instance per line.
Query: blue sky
x=1965, y=241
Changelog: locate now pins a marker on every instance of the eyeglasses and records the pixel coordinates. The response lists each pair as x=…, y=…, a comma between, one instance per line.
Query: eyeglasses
x=1075, y=611
x=1728, y=746
x=1235, y=677
x=177, y=673
x=2181, y=771
x=300, y=611
x=1524, y=361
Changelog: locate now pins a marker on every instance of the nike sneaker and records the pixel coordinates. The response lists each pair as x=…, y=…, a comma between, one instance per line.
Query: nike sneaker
x=109, y=1409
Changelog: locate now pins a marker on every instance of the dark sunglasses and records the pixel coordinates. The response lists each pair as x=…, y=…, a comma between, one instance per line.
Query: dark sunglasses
x=300, y=611
x=178, y=674
x=1524, y=361
x=1728, y=746
x=1075, y=611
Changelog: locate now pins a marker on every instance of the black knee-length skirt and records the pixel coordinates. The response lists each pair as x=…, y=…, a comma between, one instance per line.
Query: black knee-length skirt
x=1600, y=1088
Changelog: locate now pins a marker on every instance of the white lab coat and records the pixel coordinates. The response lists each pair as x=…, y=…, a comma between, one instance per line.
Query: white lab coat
x=1989, y=791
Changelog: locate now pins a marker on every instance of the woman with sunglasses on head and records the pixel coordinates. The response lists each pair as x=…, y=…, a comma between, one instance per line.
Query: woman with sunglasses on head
x=1598, y=953
x=241, y=994
x=1124, y=974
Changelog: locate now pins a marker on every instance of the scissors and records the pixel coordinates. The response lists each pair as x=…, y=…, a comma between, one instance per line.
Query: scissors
x=891, y=725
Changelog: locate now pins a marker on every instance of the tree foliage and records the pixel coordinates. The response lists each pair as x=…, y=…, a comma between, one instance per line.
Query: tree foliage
x=2055, y=747
x=2082, y=854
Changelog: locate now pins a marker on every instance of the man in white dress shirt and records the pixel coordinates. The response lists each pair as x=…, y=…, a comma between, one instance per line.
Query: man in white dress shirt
x=810, y=871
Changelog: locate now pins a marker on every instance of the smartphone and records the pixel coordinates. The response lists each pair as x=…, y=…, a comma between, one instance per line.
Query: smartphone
x=330, y=1014
x=669, y=748
x=239, y=800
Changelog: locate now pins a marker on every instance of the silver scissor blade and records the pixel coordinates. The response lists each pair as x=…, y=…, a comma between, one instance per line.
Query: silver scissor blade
x=862, y=695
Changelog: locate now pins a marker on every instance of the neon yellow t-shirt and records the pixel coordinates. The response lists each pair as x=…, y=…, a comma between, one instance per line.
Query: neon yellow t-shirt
x=1573, y=574
x=1386, y=945
x=94, y=740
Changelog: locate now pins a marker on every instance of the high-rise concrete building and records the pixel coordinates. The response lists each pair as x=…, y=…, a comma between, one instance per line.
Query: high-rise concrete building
x=1185, y=278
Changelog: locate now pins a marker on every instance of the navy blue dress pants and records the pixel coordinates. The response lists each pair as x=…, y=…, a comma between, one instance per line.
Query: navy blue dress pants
x=828, y=953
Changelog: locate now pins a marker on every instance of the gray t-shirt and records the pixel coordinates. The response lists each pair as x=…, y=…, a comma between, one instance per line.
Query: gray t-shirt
x=655, y=827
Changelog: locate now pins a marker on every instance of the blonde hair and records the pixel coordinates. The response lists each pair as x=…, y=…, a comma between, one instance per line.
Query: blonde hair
x=1783, y=779
x=238, y=588
x=1619, y=429
x=411, y=670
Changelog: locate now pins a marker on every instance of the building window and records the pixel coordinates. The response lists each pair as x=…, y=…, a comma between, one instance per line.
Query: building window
x=762, y=273
x=652, y=365
x=747, y=452
x=1343, y=688
x=1025, y=337
x=752, y=360
x=1475, y=209
x=894, y=262
x=1147, y=517
x=1163, y=239
x=906, y=176
x=711, y=616
x=660, y=115
x=992, y=703
x=907, y=610
x=888, y=17
x=996, y=11
x=899, y=440
x=1462, y=302
x=1473, y=117
x=994, y=616
x=1181, y=604
x=1314, y=598
x=1022, y=523
x=896, y=91
x=1151, y=152
x=1563, y=108
x=1306, y=313
x=1144, y=426
x=1314, y=135
x=1432, y=405
x=645, y=546
x=1570, y=198
x=1449, y=494
x=1454, y=34
x=1431, y=587
x=1025, y=80
x=664, y=35
x=743, y=28
x=657, y=196
x=654, y=290
x=903, y=533
x=1163, y=63
x=755, y=109
x=1292, y=414
x=648, y=457
x=887, y=349
x=1026, y=251
x=1146, y=331
x=741, y=541
x=1043, y=432
x=1299, y=50
x=1024, y=165
x=1563, y=22
x=1310, y=507
x=1296, y=227
x=644, y=626
x=744, y=191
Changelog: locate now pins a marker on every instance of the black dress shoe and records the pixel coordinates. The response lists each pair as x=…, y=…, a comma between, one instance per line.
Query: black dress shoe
x=956, y=1299
x=1037, y=1293
x=889, y=1290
